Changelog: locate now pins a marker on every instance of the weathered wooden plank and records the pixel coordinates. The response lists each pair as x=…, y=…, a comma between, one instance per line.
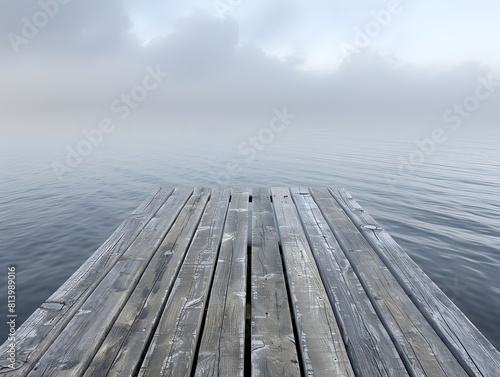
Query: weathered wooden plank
x=74, y=348
x=173, y=347
x=476, y=354
x=371, y=350
x=120, y=353
x=114, y=304
x=222, y=348
x=418, y=344
x=320, y=341
x=36, y=335
x=274, y=351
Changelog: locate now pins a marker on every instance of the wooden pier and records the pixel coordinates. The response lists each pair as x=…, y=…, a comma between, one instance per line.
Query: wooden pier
x=250, y=282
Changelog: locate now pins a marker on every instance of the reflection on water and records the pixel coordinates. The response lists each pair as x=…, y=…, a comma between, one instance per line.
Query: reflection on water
x=445, y=214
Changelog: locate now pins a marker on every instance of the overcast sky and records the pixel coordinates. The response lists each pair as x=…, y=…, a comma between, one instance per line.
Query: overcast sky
x=63, y=66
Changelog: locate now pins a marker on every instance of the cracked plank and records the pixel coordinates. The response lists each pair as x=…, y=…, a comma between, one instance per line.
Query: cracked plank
x=120, y=353
x=222, y=349
x=320, y=341
x=70, y=352
x=420, y=347
x=476, y=354
x=172, y=349
x=274, y=351
x=371, y=350
x=37, y=333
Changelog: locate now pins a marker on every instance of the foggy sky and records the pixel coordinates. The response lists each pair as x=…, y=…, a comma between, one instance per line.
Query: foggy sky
x=237, y=68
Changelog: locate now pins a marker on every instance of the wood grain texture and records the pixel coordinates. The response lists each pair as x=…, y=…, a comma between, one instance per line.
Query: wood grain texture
x=70, y=353
x=173, y=347
x=331, y=294
x=422, y=350
x=222, y=349
x=274, y=351
x=371, y=350
x=320, y=341
x=36, y=335
x=120, y=354
x=476, y=354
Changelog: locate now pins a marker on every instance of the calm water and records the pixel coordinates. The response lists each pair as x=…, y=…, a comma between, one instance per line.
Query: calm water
x=445, y=214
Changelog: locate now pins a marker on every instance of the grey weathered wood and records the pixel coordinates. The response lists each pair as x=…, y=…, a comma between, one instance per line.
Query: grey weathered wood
x=320, y=341
x=173, y=347
x=120, y=353
x=422, y=350
x=139, y=302
x=222, y=348
x=371, y=350
x=36, y=335
x=274, y=351
x=73, y=349
x=476, y=354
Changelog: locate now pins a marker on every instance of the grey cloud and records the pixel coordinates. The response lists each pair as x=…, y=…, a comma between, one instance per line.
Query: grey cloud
x=200, y=45
x=214, y=77
x=78, y=27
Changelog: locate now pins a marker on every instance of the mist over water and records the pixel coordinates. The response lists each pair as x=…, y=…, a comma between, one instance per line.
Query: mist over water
x=444, y=213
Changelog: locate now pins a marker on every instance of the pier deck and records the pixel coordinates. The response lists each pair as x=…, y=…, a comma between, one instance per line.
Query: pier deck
x=250, y=282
